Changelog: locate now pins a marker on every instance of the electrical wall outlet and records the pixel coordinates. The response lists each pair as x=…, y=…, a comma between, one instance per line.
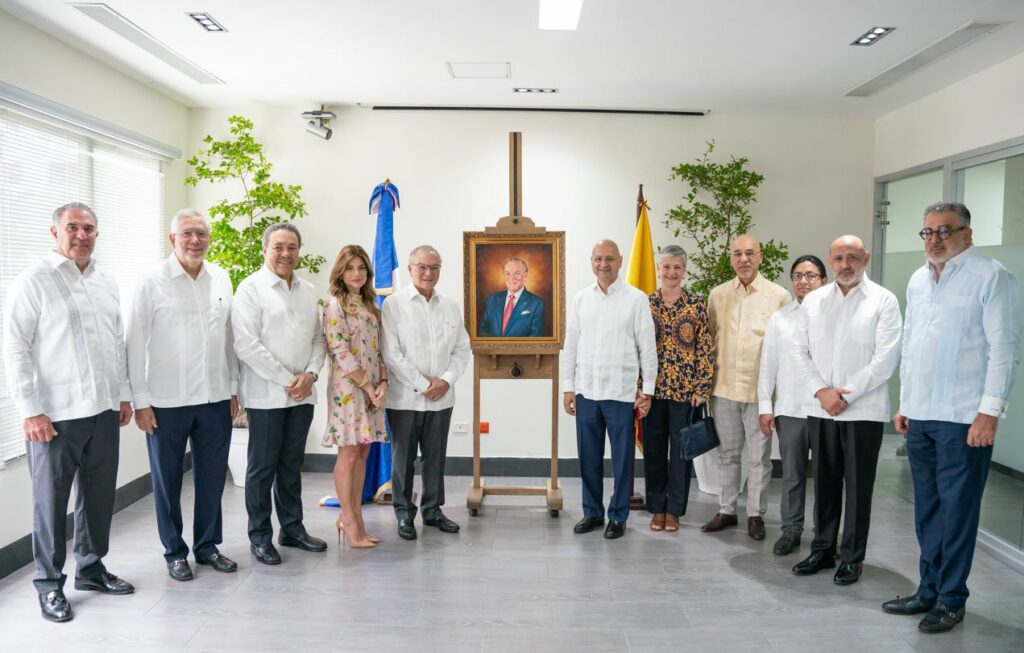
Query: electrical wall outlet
x=460, y=427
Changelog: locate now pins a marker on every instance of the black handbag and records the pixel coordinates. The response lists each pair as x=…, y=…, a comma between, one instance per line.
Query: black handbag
x=699, y=435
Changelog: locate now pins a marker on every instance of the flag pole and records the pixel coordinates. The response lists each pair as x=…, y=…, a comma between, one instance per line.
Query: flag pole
x=636, y=500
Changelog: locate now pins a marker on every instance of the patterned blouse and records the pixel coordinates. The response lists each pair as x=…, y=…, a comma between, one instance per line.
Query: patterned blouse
x=685, y=347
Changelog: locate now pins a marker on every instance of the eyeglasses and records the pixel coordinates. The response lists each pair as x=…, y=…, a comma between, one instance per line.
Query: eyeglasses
x=423, y=267
x=805, y=276
x=942, y=232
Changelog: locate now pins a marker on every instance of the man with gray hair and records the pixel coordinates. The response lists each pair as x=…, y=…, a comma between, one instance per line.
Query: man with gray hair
x=279, y=341
x=184, y=378
x=64, y=353
x=426, y=349
x=961, y=349
x=514, y=312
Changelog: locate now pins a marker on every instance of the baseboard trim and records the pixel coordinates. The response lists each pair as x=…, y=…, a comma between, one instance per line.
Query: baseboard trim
x=18, y=553
x=507, y=466
x=1002, y=550
x=1009, y=471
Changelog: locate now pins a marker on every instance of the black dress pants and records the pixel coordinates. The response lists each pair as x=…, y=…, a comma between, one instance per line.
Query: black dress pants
x=277, y=442
x=666, y=472
x=843, y=453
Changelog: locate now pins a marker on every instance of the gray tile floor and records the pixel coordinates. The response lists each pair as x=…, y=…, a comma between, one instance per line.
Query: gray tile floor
x=517, y=580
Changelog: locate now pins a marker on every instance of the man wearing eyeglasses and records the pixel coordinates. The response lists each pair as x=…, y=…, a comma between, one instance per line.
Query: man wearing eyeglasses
x=738, y=311
x=961, y=348
x=426, y=349
x=64, y=354
x=184, y=378
x=846, y=341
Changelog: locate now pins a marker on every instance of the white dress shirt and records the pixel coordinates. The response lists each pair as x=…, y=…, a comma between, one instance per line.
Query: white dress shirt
x=961, y=341
x=850, y=342
x=610, y=344
x=780, y=373
x=421, y=339
x=278, y=333
x=64, y=342
x=180, y=350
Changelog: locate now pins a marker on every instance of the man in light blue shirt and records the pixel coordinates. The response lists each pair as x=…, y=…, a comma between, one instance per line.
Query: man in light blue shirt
x=961, y=348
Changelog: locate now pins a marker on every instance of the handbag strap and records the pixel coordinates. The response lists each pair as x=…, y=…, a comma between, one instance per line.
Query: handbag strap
x=697, y=415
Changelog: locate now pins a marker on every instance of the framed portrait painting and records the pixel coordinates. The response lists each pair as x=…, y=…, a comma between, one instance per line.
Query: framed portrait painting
x=515, y=290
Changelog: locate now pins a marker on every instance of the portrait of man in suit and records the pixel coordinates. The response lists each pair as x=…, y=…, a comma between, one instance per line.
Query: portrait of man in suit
x=514, y=312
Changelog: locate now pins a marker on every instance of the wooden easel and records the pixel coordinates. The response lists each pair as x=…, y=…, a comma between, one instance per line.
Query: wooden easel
x=520, y=360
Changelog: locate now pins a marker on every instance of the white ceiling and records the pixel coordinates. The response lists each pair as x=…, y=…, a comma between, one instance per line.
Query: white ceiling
x=733, y=56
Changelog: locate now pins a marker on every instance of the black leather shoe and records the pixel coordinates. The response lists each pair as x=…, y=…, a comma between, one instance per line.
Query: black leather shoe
x=941, y=619
x=305, y=541
x=848, y=573
x=406, y=529
x=55, y=607
x=755, y=528
x=587, y=524
x=107, y=583
x=614, y=530
x=788, y=543
x=442, y=523
x=179, y=570
x=719, y=522
x=814, y=563
x=219, y=562
x=266, y=553
x=907, y=605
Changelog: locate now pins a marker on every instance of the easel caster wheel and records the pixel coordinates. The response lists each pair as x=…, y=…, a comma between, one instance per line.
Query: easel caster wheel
x=553, y=513
x=473, y=512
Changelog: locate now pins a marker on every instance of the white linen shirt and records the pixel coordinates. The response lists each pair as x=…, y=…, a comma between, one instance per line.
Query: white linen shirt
x=180, y=347
x=850, y=342
x=610, y=344
x=63, y=341
x=278, y=333
x=961, y=341
x=780, y=373
x=422, y=338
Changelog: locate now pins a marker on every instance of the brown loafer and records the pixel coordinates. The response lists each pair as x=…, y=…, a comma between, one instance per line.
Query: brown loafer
x=671, y=523
x=658, y=521
x=720, y=522
x=755, y=528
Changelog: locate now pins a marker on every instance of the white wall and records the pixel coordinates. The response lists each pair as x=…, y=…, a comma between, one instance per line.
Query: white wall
x=978, y=111
x=580, y=175
x=42, y=65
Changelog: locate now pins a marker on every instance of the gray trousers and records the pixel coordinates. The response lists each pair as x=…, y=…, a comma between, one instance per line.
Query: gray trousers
x=794, y=448
x=84, y=453
x=427, y=431
x=738, y=428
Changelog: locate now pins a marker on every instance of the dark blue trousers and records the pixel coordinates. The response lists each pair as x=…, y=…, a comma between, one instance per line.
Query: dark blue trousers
x=666, y=471
x=949, y=479
x=208, y=428
x=593, y=419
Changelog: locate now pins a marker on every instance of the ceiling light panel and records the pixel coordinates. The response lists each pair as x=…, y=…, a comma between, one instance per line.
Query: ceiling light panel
x=871, y=36
x=560, y=14
x=479, y=69
x=125, y=28
x=206, y=21
x=534, y=90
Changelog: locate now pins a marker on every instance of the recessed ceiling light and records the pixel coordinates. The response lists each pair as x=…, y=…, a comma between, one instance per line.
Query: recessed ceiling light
x=872, y=35
x=560, y=14
x=534, y=90
x=206, y=21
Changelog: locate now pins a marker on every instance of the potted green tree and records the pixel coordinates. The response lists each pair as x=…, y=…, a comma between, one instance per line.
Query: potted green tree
x=715, y=210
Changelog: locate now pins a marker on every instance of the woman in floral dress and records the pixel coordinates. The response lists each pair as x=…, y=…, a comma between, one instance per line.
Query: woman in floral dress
x=357, y=384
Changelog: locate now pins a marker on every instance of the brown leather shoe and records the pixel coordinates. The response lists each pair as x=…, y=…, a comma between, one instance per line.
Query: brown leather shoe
x=671, y=523
x=755, y=528
x=719, y=522
x=658, y=521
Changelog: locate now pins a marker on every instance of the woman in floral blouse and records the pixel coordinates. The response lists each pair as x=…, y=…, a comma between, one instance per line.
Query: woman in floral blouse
x=357, y=385
x=684, y=383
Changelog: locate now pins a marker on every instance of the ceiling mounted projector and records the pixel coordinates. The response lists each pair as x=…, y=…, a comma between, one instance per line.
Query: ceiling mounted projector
x=319, y=122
